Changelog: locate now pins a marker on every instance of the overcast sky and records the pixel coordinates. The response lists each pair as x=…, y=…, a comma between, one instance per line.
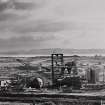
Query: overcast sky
x=30, y=24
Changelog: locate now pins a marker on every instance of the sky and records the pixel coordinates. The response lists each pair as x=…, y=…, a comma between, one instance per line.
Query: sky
x=38, y=24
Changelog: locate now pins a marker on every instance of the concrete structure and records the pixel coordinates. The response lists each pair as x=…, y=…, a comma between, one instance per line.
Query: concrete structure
x=92, y=76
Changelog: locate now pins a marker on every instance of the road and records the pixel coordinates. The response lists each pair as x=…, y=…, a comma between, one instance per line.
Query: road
x=93, y=98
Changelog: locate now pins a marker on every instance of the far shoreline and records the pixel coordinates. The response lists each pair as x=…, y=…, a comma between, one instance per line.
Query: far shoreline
x=48, y=55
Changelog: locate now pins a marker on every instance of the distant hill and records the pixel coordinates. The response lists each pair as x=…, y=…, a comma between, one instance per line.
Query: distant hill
x=68, y=51
x=55, y=50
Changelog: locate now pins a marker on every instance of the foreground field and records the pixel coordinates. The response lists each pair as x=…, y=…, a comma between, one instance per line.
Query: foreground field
x=14, y=103
x=41, y=67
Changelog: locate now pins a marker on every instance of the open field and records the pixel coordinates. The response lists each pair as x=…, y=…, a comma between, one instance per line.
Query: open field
x=10, y=66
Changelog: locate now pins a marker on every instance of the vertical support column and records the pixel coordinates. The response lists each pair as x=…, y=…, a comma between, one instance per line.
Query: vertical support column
x=62, y=61
x=52, y=61
x=33, y=103
x=56, y=62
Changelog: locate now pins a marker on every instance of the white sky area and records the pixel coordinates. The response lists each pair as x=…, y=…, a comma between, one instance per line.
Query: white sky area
x=30, y=24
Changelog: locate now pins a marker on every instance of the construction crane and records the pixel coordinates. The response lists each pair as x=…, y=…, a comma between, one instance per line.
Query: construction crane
x=64, y=74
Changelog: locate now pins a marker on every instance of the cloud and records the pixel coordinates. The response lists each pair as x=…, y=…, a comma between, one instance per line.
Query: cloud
x=73, y=22
x=24, y=5
x=9, y=17
x=17, y=9
x=18, y=5
x=23, y=42
x=40, y=26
